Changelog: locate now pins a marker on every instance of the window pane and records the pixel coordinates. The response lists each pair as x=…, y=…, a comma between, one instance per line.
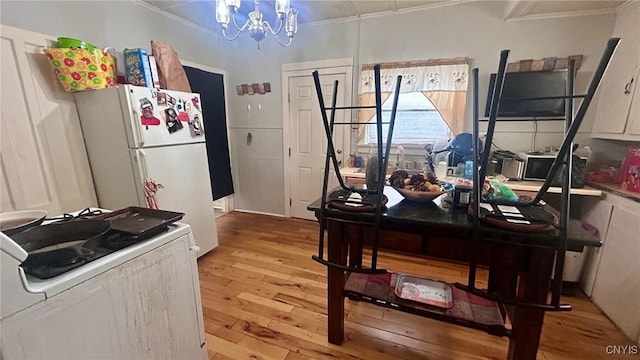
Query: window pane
x=417, y=122
x=414, y=100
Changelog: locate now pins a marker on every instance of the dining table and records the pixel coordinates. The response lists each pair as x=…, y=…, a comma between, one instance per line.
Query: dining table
x=520, y=266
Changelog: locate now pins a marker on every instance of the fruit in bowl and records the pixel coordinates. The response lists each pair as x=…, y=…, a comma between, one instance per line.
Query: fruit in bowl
x=415, y=187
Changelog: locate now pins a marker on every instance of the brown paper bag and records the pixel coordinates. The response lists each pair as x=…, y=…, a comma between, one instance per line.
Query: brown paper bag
x=170, y=70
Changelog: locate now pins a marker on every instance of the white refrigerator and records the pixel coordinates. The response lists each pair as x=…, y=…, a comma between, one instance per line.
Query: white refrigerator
x=147, y=148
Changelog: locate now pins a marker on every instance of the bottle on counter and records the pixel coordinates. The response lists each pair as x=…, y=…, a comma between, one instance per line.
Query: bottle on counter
x=468, y=169
x=585, y=152
x=441, y=170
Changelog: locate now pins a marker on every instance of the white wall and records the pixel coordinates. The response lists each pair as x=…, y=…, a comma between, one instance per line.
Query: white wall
x=258, y=168
x=119, y=24
x=475, y=30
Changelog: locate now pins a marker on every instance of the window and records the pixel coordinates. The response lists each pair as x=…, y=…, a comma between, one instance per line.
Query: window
x=417, y=122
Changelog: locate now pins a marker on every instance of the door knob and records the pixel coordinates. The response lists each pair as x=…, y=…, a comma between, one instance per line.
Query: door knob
x=339, y=151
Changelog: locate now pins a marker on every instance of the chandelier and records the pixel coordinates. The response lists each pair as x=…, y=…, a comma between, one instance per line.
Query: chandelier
x=258, y=29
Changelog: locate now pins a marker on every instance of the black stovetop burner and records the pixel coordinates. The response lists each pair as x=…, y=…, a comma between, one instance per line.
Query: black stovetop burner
x=55, y=262
x=87, y=213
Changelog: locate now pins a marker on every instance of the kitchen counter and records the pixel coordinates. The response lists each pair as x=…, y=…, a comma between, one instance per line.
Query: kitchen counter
x=352, y=172
x=616, y=189
x=532, y=186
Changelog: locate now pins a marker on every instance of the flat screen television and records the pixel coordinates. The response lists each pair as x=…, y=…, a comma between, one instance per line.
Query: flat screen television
x=528, y=85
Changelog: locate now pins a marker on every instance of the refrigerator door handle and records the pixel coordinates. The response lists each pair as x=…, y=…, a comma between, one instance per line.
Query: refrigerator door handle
x=143, y=164
x=136, y=118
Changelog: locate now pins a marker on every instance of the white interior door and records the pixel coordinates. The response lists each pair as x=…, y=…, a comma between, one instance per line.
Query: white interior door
x=308, y=142
x=183, y=172
x=43, y=162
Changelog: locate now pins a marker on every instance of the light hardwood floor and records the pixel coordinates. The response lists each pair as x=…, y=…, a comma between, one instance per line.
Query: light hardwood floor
x=264, y=298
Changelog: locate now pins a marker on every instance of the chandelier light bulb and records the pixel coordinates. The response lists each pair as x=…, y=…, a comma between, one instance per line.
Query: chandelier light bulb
x=258, y=29
x=222, y=13
x=292, y=23
x=233, y=5
x=283, y=7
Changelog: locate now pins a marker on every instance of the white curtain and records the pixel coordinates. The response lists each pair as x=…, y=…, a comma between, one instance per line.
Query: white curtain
x=444, y=82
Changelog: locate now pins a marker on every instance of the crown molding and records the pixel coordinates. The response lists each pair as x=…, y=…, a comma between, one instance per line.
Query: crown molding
x=564, y=14
x=175, y=17
x=390, y=12
x=625, y=5
x=516, y=8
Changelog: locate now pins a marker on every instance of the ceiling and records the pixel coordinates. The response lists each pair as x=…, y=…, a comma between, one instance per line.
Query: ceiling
x=202, y=13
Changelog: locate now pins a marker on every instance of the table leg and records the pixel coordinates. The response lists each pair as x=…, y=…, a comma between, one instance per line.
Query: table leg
x=504, y=265
x=527, y=322
x=337, y=245
x=356, y=244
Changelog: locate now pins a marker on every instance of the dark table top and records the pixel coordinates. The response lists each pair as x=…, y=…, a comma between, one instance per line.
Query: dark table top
x=442, y=217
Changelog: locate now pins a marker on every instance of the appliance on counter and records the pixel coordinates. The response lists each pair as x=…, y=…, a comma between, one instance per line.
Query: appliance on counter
x=531, y=166
x=457, y=150
x=147, y=148
x=139, y=299
x=524, y=166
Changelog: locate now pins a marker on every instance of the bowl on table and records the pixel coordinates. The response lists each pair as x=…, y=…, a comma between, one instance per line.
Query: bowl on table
x=419, y=196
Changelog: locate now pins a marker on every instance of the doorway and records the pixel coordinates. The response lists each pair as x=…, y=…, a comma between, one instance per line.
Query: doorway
x=304, y=139
x=210, y=83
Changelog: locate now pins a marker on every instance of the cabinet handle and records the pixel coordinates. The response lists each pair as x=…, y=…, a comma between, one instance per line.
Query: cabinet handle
x=195, y=248
x=627, y=87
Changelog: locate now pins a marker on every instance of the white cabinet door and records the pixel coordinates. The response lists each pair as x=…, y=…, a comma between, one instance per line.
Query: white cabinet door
x=596, y=212
x=633, y=124
x=157, y=305
x=617, y=285
x=614, y=101
x=43, y=162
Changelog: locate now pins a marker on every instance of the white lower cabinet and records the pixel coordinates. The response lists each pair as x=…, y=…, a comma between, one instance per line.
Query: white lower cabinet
x=146, y=308
x=596, y=212
x=617, y=284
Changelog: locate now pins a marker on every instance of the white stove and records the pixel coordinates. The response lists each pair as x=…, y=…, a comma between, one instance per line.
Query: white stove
x=138, y=302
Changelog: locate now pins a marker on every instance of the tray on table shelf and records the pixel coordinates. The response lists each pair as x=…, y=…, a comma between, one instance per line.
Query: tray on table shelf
x=425, y=291
x=466, y=309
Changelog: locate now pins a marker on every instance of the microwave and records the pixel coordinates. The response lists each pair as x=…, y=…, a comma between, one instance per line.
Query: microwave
x=524, y=166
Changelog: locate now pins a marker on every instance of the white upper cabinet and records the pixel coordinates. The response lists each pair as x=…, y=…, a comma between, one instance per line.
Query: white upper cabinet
x=633, y=122
x=43, y=162
x=619, y=102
